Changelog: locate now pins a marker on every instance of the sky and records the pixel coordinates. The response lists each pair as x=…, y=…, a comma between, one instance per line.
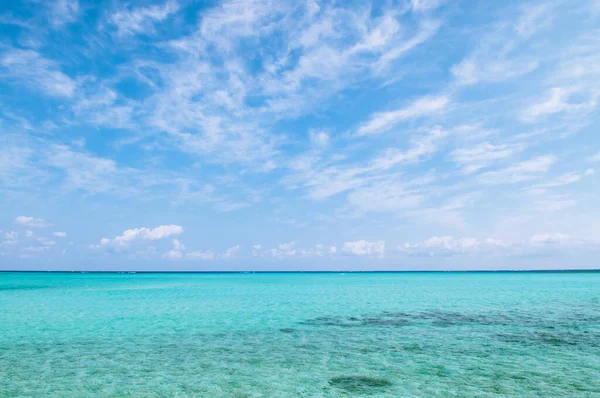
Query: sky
x=299, y=135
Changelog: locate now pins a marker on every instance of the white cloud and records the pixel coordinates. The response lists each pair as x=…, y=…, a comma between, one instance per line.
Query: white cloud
x=319, y=139
x=177, y=251
x=164, y=231
x=46, y=242
x=570, y=93
x=549, y=239
x=35, y=245
x=533, y=19
x=319, y=250
x=140, y=234
x=230, y=206
x=383, y=121
x=63, y=12
x=370, y=187
x=290, y=250
x=504, y=50
x=84, y=171
x=384, y=196
x=539, y=244
x=174, y=254
x=31, y=69
x=427, y=29
x=7, y=19
x=33, y=251
x=483, y=155
x=365, y=248
x=104, y=107
x=556, y=102
x=284, y=250
x=323, y=182
x=421, y=146
x=471, y=71
x=31, y=222
x=450, y=212
x=141, y=20
x=559, y=181
x=15, y=158
x=49, y=168
x=553, y=204
x=201, y=255
x=316, y=55
x=448, y=246
x=10, y=237
x=226, y=93
x=425, y=5
x=211, y=63
x=231, y=252
x=177, y=245
x=59, y=234
x=523, y=171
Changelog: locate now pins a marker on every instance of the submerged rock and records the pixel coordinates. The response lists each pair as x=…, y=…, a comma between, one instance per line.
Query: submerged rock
x=359, y=384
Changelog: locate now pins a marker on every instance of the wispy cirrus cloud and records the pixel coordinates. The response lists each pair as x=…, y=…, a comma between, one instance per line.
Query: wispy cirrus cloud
x=141, y=20
x=450, y=246
x=383, y=121
x=561, y=181
x=519, y=172
x=32, y=69
x=504, y=52
x=558, y=101
x=321, y=115
x=483, y=155
x=288, y=82
x=63, y=12
x=201, y=255
x=538, y=244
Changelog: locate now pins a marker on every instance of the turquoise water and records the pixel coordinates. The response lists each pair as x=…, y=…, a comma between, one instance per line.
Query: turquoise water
x=300, y=335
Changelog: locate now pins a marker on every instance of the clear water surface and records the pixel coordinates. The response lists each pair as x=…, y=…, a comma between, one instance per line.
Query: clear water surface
x=300, y=335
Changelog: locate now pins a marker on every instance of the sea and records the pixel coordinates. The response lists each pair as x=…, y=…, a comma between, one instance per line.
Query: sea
x=405, y=334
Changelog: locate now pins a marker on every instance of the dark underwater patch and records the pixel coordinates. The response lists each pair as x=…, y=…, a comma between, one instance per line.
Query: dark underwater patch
x=356, y=321
x=412, y=347
x=552, y=338
x=447, y=318
x=386, y=318
x=287, y=330
x=359, y=384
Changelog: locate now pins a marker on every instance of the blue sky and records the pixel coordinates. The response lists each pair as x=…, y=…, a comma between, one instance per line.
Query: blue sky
x=275, y=135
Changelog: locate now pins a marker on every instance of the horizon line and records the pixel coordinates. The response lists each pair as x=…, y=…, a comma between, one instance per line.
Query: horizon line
x=579, y=270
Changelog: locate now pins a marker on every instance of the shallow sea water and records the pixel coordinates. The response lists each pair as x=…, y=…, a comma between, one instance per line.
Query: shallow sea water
x=300, y=335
